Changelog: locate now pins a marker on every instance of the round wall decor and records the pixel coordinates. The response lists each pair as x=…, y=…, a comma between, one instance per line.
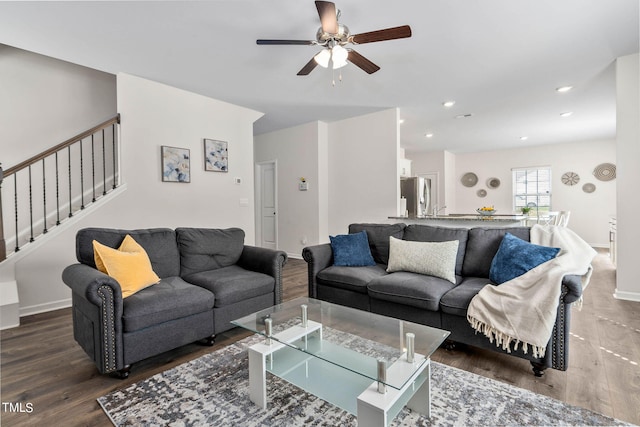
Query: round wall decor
x=570, y=178
x=493, y=183
x=469, y=179
x=589, y=187
x=482, y=193
x=605, y=172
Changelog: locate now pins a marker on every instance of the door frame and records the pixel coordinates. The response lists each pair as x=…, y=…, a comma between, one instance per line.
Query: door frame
x=258, y=198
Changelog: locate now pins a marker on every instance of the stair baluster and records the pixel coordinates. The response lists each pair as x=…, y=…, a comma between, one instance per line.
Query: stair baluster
x=76, y=191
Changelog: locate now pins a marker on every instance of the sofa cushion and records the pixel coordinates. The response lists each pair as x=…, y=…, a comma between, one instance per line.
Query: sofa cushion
x=353, y=279
x=129, y=265
x=233, y=284
x=172, y=298
x=417, y=290
x=482, y=246
x=515, y=257
x=351, y=250
x=431, y=258
x=456, y=301
x=159, y=244
x=204, y=249
x=378, y=235
x=429, y=233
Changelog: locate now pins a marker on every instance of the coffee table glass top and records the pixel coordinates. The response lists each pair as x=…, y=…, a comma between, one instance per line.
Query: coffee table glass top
x=350, y=339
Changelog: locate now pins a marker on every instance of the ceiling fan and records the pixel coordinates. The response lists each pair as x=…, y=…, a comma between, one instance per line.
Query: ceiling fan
x=334, y=36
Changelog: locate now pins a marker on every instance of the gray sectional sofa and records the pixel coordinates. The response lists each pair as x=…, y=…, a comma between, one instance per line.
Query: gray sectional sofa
x=208, y=278
x=429, y=300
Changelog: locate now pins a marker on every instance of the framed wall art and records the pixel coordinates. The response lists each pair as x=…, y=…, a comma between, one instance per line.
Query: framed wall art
x=176, y=164
x=216, y=156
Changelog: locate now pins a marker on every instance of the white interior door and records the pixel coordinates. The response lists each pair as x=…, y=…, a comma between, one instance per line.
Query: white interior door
x=268, y=226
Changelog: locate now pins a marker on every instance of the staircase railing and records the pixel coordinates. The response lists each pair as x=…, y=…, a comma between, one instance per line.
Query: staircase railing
x=74, y=173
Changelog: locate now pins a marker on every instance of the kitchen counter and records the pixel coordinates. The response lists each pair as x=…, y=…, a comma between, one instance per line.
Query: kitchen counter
x=465, y=220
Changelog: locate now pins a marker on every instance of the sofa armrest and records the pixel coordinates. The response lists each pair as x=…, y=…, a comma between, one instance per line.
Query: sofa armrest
x=573, y=285
x=86, y=281
x=97, y=315
x=318, y=258
x=267, y=261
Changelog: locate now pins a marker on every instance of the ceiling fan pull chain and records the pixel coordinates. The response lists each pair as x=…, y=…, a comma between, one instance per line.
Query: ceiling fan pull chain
x=333, y=78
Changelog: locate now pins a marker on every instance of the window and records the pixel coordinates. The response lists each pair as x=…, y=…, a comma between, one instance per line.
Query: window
x=532, y=188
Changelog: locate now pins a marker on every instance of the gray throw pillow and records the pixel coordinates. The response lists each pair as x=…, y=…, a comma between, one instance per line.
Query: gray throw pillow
x=431, y=258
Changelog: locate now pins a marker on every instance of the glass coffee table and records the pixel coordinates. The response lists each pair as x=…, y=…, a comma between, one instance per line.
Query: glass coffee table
x=367, y=364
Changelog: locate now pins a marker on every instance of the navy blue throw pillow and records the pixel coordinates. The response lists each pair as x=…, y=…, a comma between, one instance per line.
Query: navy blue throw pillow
x=516, y=256
x=351, y=250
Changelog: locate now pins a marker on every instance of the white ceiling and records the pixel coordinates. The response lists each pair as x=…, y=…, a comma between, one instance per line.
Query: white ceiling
x=500, y=60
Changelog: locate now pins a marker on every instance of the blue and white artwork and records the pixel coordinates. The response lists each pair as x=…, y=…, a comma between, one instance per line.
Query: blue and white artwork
x=216, y=156
x=176, y=164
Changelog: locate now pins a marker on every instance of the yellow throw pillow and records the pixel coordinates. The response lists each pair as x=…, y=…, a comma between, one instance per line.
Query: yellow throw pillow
x=129, y=265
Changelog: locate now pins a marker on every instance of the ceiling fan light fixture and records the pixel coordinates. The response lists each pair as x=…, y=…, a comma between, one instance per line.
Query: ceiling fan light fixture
x=339, y=56
x=323, y=57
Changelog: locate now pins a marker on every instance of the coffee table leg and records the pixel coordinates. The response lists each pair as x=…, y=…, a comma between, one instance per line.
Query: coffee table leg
x=420, y=402
x=257, y=378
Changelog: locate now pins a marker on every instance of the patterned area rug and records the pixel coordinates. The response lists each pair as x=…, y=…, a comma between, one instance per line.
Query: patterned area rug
x=213, y=391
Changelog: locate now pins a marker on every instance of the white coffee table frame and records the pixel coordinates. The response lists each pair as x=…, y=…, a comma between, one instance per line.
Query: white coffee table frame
x=374, y=408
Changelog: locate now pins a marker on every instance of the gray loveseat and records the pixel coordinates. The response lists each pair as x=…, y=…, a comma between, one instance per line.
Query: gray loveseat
x=208, y=278
x=429, y=300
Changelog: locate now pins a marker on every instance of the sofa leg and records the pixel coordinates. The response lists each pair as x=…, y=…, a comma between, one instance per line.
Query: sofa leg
x=123, y=373
x=209, y=341
x=449, y=345
x=538, y=369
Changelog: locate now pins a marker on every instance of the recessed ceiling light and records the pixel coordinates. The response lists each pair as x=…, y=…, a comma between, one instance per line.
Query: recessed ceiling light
x=563, y=89
x=464, y=116
x=524, y=138
x=448, y=104
x=566, y=114
x=401, y=121
x=428, y=135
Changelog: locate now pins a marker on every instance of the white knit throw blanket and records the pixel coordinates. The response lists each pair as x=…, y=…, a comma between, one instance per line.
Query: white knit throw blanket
x=523, y=310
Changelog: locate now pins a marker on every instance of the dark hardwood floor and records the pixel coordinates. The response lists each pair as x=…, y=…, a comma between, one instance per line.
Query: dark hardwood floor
x=41, y=365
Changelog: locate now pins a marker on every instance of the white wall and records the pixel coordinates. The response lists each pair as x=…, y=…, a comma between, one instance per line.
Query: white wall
x=45, y=101
x=363, y=169
x=589, y=212
x=298, y=152
x=352, y=170
x=154, y=115
x=628, y=170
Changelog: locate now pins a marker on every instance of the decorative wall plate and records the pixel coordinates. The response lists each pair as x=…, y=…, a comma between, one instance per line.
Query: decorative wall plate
x=570, y=178
x=589, y=187
x=493, y=183
x=605, y=172
x=469, y=179
x=481, y=193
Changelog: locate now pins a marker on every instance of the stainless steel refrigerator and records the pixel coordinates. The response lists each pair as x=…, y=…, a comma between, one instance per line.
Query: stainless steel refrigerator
x=417, y=191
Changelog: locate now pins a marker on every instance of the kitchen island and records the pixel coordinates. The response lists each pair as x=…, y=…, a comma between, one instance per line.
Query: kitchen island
x=465, y=220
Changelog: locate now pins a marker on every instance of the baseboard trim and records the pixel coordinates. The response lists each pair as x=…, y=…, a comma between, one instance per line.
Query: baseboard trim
x=294, y=256
x=627, y=296
x=43, y=308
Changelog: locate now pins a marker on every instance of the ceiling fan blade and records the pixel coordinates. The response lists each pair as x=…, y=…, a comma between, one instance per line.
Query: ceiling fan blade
x=362, y=62
x=328, y=16
x=285, y=42
x=381, y=35
x=308, y=68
